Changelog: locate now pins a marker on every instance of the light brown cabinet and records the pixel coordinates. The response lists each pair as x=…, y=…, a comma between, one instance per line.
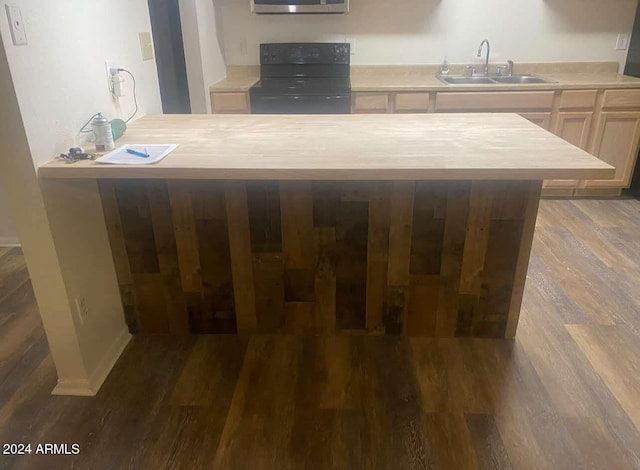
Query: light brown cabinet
x=411, y=102
x=507, y=101
x=574, y=127
x=230, y=103
x=616, y=141
x=370, y=103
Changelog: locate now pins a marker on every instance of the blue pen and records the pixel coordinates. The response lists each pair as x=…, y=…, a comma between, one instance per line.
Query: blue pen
x=138, y=154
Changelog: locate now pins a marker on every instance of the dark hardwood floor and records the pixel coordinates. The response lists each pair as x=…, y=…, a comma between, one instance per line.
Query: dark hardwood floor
x=564, y=395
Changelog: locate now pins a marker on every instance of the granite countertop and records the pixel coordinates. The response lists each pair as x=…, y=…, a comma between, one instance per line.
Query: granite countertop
x=566, y=76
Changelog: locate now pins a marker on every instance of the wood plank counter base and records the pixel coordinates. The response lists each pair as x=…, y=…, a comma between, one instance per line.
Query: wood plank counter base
x=418, y=258
x=413, y=224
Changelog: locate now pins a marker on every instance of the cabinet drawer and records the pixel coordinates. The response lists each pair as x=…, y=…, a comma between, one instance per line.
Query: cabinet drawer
x=371, y=102
x=495, y=101
x=621, y=99
x=578, y=99
x=412, y=102
x=229, y=103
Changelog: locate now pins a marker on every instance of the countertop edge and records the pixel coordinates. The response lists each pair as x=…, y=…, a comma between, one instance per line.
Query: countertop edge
x=259, y=174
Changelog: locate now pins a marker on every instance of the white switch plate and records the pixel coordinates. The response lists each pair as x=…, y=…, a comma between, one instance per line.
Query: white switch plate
x=146, y=45
x=16, y=25
x=243, y=47
x=623, y=42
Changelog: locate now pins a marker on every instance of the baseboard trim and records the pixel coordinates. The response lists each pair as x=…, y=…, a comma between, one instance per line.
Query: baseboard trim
x=90, y=387
x=10, y=242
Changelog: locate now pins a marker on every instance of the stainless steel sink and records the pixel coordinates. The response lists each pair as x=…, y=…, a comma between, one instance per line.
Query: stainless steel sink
x=521, y=79
x=493, y=79
x=463, y=80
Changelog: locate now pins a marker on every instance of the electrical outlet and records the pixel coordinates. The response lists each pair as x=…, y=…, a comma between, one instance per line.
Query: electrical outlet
x=623, y=42
x=110, y=68
x=82, y=309
x=16, y=25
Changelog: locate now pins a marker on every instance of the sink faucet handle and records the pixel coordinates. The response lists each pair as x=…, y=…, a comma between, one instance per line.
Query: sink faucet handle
x=471, y=69
x=510, y=67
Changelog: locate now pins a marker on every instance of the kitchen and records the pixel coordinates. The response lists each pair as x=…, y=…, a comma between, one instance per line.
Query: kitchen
x=133, y=240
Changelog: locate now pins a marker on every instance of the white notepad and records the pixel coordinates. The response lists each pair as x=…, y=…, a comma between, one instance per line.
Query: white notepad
x=120, y=156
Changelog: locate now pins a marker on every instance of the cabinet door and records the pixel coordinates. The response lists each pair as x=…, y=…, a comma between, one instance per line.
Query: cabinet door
x=573, y=127
x=617, y=136
x=370, y=103
x=541, y=119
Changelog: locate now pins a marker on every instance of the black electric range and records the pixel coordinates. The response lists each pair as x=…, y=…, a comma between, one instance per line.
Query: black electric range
x=303, y=78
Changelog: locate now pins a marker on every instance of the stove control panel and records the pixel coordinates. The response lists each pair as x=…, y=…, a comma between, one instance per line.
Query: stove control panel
x=305, y=53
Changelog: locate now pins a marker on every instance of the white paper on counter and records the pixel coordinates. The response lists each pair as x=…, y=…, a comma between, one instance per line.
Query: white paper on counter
x=120, y=156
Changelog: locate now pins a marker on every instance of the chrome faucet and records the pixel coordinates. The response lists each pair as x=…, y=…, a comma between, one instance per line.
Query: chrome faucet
x=486, y=63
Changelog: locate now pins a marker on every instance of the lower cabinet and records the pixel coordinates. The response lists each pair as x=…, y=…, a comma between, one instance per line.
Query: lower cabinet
x=616, y=141
x=574, y=127
x=370, y=103
x=230, y=103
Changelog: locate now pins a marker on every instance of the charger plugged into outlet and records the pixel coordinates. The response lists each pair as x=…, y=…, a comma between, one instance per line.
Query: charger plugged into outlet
x=115, y=80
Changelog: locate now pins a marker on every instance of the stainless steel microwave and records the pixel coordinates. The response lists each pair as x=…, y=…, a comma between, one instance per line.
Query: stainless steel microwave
x=275, y=7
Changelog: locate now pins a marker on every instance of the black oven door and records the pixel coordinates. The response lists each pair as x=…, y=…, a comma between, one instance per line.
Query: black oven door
x=300, y=104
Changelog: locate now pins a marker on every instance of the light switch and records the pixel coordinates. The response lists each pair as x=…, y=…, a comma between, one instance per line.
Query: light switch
x=16, y=25
x=146, y=45
x=622, y=42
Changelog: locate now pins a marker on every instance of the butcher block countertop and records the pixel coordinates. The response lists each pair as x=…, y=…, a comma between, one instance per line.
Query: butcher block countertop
x=359, y=147
x=565, y=76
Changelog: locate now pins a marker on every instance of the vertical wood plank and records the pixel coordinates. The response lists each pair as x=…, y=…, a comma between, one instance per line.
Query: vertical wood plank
x=296, y=209
x=161, y=219
x=114, y=229
x=137, y=229
x=477, y=237
x=152, y=308
x=400, y=232
x=268, y=278
x=352, y=221
x=325, y=281
x=522, y=266
x=241, y=260
x=186, y=237
x=377, y=255
x=457, y=212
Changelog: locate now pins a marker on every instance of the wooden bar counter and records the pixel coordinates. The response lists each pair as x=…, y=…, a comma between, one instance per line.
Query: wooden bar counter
x=366, y=224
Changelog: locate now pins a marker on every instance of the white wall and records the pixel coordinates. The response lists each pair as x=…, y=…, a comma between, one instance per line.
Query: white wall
x=60, y=76
x=8, y=230
x=203, y=53
x=424, y=31
x=60, y=81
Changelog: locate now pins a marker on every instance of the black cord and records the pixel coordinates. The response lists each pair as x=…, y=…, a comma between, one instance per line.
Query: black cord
x=135, y=98
x=84, y=129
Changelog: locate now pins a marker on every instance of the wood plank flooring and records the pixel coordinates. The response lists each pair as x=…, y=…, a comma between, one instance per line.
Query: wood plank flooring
x=564, y=395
